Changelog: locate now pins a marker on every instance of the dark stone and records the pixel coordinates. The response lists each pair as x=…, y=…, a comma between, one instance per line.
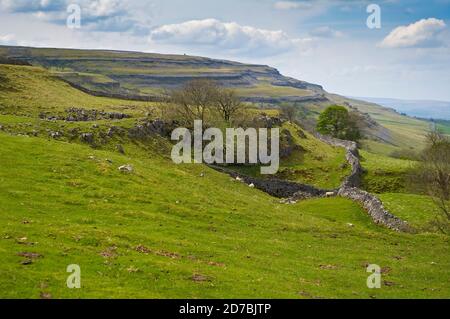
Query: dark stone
x=87, y=138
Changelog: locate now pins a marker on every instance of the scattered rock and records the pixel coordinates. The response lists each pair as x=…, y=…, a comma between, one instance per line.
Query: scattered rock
x=350, y=225
x=87, y=138
x=126, y=168
x=288, y=201
x=56, y=135
x=251, y=185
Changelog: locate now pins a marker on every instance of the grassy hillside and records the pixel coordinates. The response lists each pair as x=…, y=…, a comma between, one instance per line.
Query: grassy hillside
x=404, y=132
x=141, y=74
x=164, y=231
x=28, y=91
x=314, y=162
x=183, y=231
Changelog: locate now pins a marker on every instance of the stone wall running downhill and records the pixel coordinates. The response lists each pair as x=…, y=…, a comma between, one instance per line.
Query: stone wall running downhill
x=352, y=156
x=375, y=209
x=350, y=188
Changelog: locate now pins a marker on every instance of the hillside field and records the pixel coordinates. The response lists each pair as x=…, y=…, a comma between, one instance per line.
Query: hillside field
x=187, y=231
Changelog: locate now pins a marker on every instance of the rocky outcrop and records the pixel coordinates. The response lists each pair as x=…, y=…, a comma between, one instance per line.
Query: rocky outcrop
x=75, y=114
x=150, y=128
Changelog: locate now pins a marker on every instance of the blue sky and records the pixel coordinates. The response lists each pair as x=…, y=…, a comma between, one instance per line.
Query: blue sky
x=324, y=42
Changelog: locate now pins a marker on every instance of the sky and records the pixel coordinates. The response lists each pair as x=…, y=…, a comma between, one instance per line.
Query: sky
x=404, y=54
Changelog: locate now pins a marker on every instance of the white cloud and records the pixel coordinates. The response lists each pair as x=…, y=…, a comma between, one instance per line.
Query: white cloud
x=8, y=39
x=290, y=5
x=423, y=33
x=325, y=32
x=231, y=37
x=31, y=5
x=97, y=15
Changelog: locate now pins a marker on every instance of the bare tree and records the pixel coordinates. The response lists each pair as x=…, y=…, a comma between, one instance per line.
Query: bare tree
x=194, y=99
x=228, y=103
x=432, y=175
x=289, y=112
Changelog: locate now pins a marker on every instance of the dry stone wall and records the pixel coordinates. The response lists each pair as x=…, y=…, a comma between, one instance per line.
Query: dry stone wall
x=350, y=188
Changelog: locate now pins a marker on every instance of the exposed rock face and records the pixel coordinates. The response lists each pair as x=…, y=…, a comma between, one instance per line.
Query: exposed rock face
x=150, y=128
x=374, y=208
x=83, y=115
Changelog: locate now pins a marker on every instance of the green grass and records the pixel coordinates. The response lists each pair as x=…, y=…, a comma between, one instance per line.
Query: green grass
x=75, y=209
x=205, y=237
x=317, y=163
x=384, y=174
x=418, y=210
x=31, y=90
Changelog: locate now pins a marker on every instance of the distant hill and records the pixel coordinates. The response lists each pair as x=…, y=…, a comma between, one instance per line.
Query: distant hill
x=147, y=76
x=419, y=108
